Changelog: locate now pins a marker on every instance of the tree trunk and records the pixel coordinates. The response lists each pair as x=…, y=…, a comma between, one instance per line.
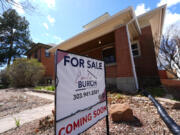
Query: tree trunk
x=9, y=60
x=10, y=49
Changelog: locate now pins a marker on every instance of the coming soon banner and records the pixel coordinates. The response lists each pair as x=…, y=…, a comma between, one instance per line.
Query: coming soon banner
x=80, y=93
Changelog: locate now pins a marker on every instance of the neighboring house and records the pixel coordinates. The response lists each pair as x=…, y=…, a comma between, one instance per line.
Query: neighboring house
x=39, y=52
x=164, y=74
x=169, y=69
x=125, y=42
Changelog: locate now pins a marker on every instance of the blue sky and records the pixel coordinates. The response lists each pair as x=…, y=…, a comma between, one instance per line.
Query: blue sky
x=57, y=20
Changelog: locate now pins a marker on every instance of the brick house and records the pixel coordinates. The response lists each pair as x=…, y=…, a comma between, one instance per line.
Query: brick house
x=39, y=52
x=125, y=42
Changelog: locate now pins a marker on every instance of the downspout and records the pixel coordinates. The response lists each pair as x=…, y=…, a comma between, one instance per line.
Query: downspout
x=131, y=55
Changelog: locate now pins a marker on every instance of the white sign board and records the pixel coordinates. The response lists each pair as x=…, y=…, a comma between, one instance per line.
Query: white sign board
x=80, y=93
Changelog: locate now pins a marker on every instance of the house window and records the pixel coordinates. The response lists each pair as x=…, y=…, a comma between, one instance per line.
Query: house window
x=135, y=49
x=47, y=54
x=109, y=55
x=36, y=54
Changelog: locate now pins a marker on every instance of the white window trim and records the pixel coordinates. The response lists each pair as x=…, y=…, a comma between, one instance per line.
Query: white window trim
x=138, y=48
x=46, y=51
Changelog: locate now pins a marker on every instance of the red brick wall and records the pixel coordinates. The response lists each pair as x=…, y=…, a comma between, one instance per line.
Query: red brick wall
x=32, y=55
x=172, y=87
x=146, y=63
x=123, y=59
x=111, y=71
x=96, y=54
x=171, y=83
x=162, y=74
x=48, y=62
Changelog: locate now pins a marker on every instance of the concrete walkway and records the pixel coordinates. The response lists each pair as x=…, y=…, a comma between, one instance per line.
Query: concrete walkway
x=29, y=115
x=42, y=95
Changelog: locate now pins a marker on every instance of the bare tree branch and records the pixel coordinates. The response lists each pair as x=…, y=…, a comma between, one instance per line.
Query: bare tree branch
x=168, y=54
x=26, y=5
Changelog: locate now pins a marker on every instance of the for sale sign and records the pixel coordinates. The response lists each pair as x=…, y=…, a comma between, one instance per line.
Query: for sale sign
x=80, y=93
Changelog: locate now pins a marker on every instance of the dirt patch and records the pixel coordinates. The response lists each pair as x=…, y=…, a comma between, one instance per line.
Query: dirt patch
x=15, y=101
x=146, y=120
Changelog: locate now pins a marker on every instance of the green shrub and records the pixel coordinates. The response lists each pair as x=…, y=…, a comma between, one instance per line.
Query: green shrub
x=25, y=72
x=157, y=91
x=49, y=88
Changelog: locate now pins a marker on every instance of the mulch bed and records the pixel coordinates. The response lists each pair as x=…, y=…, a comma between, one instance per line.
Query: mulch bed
x=14, y=101
x=146, y=120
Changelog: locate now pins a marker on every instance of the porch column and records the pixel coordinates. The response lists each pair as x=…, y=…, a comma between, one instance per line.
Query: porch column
x=125, y=77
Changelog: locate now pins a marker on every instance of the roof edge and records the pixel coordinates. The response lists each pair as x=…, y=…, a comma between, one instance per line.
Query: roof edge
x=164, y=14
x=158, y=8
x=36, y=45
x=111, y=17
x=96, y=19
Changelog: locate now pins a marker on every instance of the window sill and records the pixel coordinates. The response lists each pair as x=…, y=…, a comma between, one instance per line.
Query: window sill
x=111, y=64
x=137, y=56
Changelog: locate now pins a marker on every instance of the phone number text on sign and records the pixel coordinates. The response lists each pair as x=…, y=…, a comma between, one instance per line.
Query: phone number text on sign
x=85, y=94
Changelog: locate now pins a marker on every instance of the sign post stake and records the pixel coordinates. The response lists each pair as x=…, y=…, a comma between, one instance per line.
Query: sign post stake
x=55, y=84
x=107, y=124
x=107, y=118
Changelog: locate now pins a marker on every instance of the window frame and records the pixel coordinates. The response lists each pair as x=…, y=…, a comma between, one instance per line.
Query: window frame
x=47, y=53
x=138, y=49
x=106, y=48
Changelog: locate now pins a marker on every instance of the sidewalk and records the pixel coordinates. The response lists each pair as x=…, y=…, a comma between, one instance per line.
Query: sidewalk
x=42, y=95
x=29, y=115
